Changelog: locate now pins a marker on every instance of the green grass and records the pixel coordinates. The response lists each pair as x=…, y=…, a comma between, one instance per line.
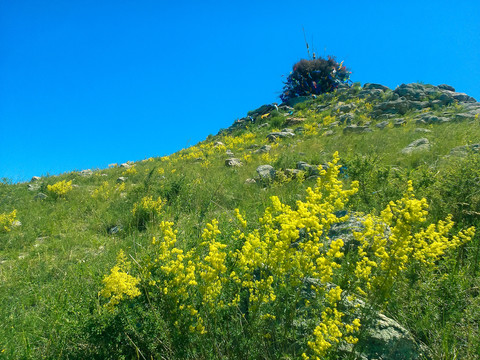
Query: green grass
x=52, y=266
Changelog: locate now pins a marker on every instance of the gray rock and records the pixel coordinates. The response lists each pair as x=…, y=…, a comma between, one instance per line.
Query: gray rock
x=356, y=129
x=310, y=170
x=417, y=145
x=262, y=110
x=294, y=121
x=126, y=165
x=35, y=178
x=399, y=106
x=446, y=97
x=286, y=108
x=250, y=181
x=428, y=118
x=229, y=152
x=399, y=123
x=16, y=223
x=344, y=230
x=292, y=172
x=334, y=124
x=121, y=179
x=40, y=196
x=375, y=86
x=218, y=143
x=462, y=151
x=465, y=116
x=384, y=338
x=299, y=130
x=419, y=105
x=411, y=91
x=472, y=107
x=433, y=103
x=446, y=87
x=115, y=229
x=346, y=118
x=279, y=134
x=87, y=172
x=233, y=162
x=370, y=93
x=266, y=172
x=383, y=124
x=262, y=125
x=328, y=133
x=462, y=97
x=345, y=108
x=296, y=100
x=417, y=92
x=422, y=130
x=263, y=149
x=33, y=187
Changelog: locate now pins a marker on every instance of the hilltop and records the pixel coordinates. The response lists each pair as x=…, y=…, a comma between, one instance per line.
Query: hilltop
x=271, y=239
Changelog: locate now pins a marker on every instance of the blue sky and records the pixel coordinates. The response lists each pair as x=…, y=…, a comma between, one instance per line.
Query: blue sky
x=87, y=83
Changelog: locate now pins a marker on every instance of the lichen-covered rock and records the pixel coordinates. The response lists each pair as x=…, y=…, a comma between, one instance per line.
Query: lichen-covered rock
x=383, y=124
x=233, y=162
x=33, y=187
x=294, y=121
x=384, y=338
x=462, y=151
x=263, y=149
x=40, y=196
x=279, y=134
x=417, y=145
x=266, y=172
x=375, y=86
x=356, y=129
x=87, y=172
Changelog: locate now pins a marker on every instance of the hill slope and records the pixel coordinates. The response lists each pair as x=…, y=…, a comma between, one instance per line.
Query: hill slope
x=61, y=241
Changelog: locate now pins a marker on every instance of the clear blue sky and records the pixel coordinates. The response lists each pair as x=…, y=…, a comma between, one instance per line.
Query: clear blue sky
x=88, y=83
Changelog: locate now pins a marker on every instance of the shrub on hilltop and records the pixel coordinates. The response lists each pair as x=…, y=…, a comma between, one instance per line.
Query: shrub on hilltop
x=315, y=77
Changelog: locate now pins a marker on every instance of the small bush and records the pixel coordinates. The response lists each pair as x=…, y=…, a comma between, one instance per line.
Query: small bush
x=314, y=77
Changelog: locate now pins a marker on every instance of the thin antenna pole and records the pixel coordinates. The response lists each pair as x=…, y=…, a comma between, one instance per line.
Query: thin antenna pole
x=306, y=43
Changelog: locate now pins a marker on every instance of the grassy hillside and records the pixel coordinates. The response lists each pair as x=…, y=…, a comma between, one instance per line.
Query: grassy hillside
x=53, y=263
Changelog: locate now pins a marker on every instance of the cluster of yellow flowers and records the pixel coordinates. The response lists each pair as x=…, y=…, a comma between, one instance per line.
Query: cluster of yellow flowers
x=311, y=129
x=148, y=207
x=106, y=190
x=130, y=171
x=60, y=188
x=388, y=242
x=7, y=220
x=269, y=264
x=119, y=284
